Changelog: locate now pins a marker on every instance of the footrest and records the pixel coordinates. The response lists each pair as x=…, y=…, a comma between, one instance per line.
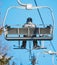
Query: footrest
x=40, y=48
x=27, y=38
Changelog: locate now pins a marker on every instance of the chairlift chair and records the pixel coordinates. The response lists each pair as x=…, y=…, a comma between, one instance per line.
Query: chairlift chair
x=16, y=34
x=42, y=33
x=45, y=33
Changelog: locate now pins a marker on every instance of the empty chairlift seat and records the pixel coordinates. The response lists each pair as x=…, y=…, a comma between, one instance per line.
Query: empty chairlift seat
x=17, y=33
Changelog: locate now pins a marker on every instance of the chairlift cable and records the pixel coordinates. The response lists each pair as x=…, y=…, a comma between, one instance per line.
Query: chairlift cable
x=53, y=60
x=39, y=14
x=53, y=46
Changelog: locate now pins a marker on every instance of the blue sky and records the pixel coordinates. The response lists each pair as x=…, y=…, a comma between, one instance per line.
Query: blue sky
x=17, y=16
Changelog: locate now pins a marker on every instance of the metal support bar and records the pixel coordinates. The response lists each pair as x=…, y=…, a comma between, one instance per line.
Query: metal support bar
x=29, y=49
x=19, y=42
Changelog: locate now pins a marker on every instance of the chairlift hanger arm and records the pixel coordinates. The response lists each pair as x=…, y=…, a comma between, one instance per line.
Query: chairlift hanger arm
x=38, y=7
x=19, y=2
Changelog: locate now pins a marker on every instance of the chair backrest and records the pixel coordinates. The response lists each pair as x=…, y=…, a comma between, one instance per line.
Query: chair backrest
x=29, y=31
